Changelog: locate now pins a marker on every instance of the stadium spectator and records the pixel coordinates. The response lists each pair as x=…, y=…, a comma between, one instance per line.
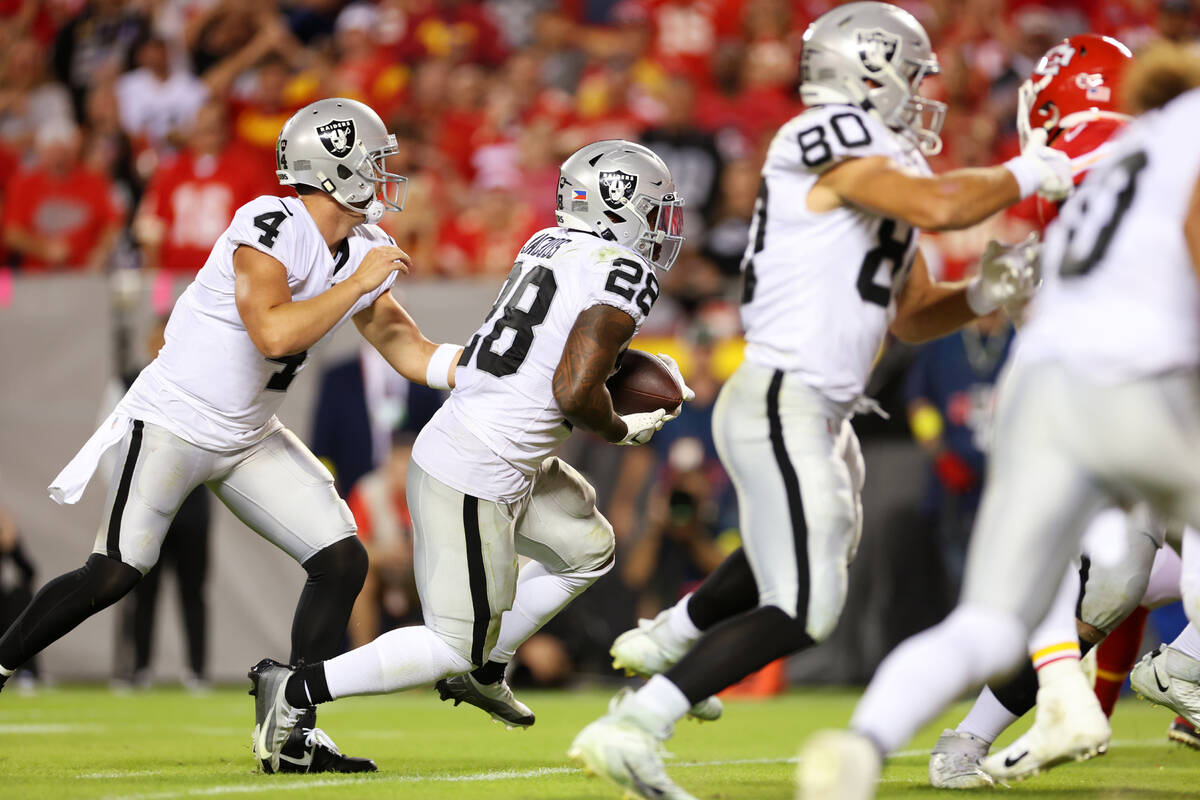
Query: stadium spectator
x=27, y=98
x=452, y=29
x=16, y=585
x=380, y=506
x=67, y=218
x=690, y=152
x=688, y=502
x=950, y=399
x=362, y=401
x=95, y=45
x=364, y=69
x=192, y=197
x=157, y=99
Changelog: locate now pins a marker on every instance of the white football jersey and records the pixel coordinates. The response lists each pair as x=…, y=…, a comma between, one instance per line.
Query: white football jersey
x=502, y=420
x=209, y=384
x=1119, y=299
x=818, y=292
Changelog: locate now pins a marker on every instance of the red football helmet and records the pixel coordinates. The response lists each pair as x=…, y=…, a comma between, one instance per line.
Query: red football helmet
x=1077, y=80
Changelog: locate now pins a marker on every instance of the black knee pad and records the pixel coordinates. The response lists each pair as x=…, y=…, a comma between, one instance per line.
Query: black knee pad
x=107, y=579
x=345, y=560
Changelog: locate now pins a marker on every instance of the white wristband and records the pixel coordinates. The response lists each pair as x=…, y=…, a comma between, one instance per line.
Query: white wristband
x=978, y=298
x=437, y=374
x=1027, y=173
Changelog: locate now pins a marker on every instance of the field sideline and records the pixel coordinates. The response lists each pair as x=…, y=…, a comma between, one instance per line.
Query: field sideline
x=165, y=744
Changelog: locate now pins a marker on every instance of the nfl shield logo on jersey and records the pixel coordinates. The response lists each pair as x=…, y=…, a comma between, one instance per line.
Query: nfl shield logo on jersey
x=616, y=188
x=876, y=48
x=337, y=136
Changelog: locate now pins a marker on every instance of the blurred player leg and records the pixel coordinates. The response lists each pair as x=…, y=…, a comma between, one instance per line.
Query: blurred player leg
x=800, y=523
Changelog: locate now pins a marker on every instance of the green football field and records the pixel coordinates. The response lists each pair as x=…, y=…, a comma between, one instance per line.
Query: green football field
x=89, y=743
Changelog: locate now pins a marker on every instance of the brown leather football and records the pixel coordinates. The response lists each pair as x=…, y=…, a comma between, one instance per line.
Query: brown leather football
x=642, y=383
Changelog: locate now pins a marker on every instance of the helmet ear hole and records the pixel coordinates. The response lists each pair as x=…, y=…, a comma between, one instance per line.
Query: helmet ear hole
x=343, y=172
x=614, y=218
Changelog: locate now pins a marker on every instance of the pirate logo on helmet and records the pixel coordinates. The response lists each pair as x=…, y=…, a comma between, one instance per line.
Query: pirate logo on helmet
x=337, y=136
x=616, y=188
x=876, y=48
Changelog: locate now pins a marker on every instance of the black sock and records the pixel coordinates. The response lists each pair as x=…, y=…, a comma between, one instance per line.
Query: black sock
x=729, y=591
x=491, y=672
x=63, y=603
x=335, y=577
x=735, y=648
x=307, y=687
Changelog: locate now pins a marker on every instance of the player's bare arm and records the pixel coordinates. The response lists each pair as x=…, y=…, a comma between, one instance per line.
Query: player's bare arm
x=280, y=327
x=956, y=199
x=589, y=357
x=1191, y=228
x=926, y=309
x=390, y=329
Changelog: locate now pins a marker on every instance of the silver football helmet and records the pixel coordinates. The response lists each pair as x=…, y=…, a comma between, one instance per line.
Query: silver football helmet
x=873, y=55
x=340, y=146
x=622, y=192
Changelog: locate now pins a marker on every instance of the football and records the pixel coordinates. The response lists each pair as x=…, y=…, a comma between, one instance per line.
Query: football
x=642, y=383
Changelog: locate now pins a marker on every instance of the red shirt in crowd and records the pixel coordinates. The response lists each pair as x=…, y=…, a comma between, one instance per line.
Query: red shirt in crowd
x=76, y=206
x=195, y=198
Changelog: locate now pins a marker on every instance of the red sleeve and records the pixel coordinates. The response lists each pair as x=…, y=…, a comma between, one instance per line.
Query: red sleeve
x=20, y=195
x=362, y=517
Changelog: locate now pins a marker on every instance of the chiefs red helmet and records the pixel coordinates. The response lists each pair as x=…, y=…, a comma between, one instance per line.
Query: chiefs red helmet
x=1076, y=81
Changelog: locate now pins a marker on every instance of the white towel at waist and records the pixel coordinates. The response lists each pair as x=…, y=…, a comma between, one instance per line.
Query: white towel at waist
x=68, y=487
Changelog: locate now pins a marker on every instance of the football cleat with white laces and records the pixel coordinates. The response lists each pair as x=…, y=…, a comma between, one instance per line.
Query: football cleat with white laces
x=1169, y=678
x=621, y=749
x=495, y=698
x=274, y=717
x=838, y=765
x=954, y=762
x=310, y=750
x=649, y=650
x=1069, y=726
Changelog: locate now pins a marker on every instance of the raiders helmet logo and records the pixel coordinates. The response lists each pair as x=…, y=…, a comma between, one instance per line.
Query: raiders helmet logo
x=876, y=48
x=616, y=188
x=337, y=136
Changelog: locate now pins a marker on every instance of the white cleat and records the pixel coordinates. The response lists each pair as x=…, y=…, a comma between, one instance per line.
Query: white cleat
x=1169, y=678
x=954, y=762
x=838, y=765
x=621, y=749
x=1069, y=726
x=647, y=651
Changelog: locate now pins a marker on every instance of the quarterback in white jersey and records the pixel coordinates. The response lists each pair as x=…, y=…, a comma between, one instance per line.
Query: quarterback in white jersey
x=1099, y=408
x=831, y=267
x=483, y=487
x=279, y=281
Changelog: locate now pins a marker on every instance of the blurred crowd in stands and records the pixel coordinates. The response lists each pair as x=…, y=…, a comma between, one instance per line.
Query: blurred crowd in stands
x=131, y=131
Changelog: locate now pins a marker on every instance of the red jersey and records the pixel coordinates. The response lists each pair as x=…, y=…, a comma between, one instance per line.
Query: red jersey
x=76, y=206
x=194, y=197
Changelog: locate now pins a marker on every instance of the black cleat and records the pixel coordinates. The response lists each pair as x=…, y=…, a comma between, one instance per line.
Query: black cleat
x=309, y=749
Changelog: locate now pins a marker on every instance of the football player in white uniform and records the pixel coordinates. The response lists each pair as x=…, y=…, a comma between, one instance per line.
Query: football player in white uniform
x=1099, y=408
x=482, y=486
x=832, y=265
x=279, y=281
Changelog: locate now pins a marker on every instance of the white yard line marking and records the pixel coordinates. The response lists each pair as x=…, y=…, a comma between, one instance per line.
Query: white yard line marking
x=133, y=773
x=274, y=785
x=49, y=728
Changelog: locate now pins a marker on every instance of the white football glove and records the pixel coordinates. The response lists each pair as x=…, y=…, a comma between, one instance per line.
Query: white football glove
x=642, y=426
x=1008, y=274
x=684, y=389
x=1055, y=177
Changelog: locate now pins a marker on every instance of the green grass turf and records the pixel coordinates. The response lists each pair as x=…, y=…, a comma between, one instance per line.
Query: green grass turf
x=89, y=743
